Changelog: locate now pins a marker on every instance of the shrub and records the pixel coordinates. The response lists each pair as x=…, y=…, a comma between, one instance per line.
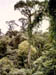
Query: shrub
x=24, y=46
x=5, y=66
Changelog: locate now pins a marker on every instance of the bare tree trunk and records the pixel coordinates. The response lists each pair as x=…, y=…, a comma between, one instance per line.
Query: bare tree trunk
x=29, y=48
x=29, y=55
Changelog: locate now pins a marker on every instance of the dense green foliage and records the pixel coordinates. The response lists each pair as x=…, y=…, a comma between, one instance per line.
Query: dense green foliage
x=14, y=60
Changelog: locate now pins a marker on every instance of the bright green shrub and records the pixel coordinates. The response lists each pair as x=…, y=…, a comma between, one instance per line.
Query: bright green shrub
x=24, y=47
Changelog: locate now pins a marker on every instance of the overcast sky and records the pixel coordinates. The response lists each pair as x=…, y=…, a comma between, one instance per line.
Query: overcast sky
x=7, y=13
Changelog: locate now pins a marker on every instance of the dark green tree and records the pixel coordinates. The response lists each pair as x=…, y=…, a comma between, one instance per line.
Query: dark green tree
x=52, y=12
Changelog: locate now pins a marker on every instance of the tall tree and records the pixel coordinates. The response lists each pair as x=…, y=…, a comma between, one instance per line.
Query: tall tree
x=28, y=9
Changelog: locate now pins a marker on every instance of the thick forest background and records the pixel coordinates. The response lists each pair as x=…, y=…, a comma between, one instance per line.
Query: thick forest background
x=29, y=51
